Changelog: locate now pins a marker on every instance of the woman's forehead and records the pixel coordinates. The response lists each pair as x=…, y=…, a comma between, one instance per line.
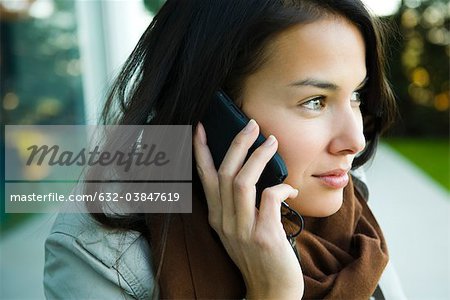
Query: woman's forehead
x=326, y=50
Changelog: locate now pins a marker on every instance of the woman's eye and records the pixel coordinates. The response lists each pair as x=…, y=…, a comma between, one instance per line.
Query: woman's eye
x=356, y=98
x=317, y=103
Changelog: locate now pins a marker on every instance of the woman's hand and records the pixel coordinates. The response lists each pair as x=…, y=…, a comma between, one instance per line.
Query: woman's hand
x=253, y=238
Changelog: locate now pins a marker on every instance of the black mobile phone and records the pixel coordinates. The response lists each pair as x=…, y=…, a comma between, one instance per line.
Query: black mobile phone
x=222, y=122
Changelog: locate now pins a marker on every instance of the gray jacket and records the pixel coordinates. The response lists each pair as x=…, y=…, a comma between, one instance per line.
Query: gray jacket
x=86, y=261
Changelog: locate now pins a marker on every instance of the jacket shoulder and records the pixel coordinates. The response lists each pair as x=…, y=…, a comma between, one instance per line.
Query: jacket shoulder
x=85, y=260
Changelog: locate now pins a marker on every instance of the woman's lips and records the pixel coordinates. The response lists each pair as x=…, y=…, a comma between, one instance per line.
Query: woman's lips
x=334, y=179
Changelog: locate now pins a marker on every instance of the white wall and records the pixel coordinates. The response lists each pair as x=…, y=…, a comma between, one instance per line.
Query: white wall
x=108, y=31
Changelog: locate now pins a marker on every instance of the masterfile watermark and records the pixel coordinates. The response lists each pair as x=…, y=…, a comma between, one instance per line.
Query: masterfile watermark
x=139, y=155
x=139, y=169
x=38, y=197
x=147, y=152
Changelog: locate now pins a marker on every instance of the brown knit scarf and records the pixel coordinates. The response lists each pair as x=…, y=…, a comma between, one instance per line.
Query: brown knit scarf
x=342, y=256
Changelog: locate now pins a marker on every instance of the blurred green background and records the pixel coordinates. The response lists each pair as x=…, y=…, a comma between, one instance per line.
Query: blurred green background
x=41, y=77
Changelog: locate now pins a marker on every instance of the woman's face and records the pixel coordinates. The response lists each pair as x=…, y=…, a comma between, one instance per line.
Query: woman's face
x=306, y=96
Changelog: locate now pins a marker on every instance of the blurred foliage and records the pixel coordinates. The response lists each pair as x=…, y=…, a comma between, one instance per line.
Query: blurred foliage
x=420, y=68
x=40, y=73
x=40, y=68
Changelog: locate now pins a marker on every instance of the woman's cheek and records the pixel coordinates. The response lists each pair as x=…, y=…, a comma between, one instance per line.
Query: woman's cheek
x=296, y=157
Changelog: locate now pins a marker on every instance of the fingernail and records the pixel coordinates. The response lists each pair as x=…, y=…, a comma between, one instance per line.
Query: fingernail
x=270, y=141
x=201, y=133
x=296, y=192
x=250, y=126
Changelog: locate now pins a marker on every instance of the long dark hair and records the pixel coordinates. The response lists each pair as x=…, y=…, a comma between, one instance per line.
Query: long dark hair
x=193, y=48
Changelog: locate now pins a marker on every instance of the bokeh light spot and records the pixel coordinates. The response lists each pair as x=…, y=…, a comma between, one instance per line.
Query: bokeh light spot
x=10, y=101
x=441, y=101
x=410, y=18
x=421, y=77
x=420, y=95
x=48, y=107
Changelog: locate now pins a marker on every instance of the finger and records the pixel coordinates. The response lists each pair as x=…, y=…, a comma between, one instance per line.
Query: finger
x=271, y=198
x=206, y=170
x=247, y=178
x=232, y=163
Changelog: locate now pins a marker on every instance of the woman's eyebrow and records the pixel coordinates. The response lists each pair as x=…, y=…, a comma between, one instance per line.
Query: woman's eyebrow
x=321, y=84
x=316, y=83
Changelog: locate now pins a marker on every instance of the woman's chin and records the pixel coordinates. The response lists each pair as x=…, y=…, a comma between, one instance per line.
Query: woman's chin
x=317, y=205
x=329, y=210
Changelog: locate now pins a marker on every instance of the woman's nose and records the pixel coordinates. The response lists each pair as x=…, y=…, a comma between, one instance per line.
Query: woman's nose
x=347, y=127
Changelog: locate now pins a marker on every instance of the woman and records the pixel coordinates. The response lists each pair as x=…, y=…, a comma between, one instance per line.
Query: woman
x=308, y=72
